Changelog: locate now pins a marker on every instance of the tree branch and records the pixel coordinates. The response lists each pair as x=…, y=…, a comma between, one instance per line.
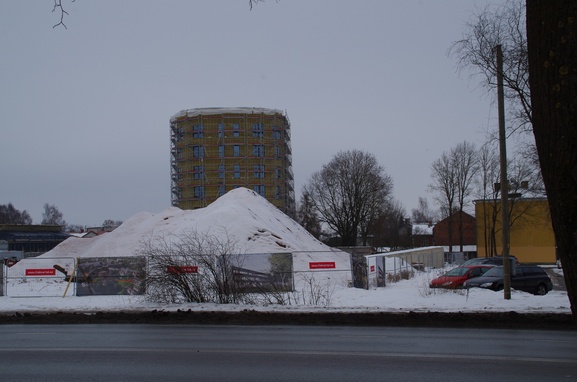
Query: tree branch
x=58, y=5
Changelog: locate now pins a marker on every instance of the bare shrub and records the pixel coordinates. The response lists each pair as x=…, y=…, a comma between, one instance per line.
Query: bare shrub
x=404, y=274
x=192, y=267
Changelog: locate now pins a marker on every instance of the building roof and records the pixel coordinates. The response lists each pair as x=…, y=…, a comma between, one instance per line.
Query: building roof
x=33, y=236
x=224, y=110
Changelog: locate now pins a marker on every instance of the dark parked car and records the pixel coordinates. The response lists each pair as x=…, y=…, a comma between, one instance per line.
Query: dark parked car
x=455, y=278
x=528, y=278
x=496, y=260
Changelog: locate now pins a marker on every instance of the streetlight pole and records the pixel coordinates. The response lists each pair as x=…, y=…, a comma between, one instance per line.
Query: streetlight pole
x=504, y=181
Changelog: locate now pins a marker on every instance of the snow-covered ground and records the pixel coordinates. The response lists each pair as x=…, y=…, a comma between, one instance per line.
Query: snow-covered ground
x=259, y=227
x=403, y=296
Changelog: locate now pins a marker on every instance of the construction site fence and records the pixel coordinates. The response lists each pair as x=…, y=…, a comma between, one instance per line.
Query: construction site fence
x=60, y=277
x=66, y=276
x=390, y=267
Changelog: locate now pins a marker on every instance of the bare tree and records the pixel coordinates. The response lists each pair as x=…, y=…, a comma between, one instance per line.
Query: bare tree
x=59, y=8
x=489, y=175
x=387, y=228
x=52, y=216
x=464, y=157
x=524, y=184
x=349, y=192
x=10, y=215
x=307, y=216
x=74, y=228
x=109, y=223
x=552, y=38
x=476, y=53
x=453, y=178
x=423, y=213
x=444, y=185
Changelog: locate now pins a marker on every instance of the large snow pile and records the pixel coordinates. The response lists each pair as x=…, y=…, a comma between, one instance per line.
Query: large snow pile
x=253, y=226
x=241, y=214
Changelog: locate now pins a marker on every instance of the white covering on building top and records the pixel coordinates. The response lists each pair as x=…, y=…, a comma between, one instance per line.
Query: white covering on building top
x=224, y=110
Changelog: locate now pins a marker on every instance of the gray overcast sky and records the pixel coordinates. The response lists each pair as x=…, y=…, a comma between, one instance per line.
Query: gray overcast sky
x=84, y=111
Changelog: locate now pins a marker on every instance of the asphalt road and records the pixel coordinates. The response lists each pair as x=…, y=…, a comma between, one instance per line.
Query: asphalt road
x=282, y=353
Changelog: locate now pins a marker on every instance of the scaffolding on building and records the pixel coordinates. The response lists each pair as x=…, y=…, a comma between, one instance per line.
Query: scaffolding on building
x=214, y=150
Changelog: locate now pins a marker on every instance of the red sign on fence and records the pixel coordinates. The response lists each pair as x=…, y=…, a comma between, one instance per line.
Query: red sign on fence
x=322, y=265
x=41, y=272
x=173, y=270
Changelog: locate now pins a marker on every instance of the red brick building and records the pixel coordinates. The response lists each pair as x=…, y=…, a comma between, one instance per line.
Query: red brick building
x=441, y=232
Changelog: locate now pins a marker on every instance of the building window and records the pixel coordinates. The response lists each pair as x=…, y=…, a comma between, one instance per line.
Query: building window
x=198, y=131
x=236, y=151
x=221, y=151
x=278, y=192
x=258, y=170
x=179, y=154
x=199, y=192
x=198, y=151
x=221, y=171
x=257, y=130
x=198, y=172
x=236, y=171
x=235, y=130
x=258, y=150
x=277, y=172
x=276, y=132
x=277, y=151
x=220, y=130
x=221, y=190
x=260, y=189
x=179, y=134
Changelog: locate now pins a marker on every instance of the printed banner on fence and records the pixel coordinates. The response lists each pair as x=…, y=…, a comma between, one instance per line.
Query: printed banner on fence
x=265, y=272
x=41, y=272
x=111, y=276
x=322, y=265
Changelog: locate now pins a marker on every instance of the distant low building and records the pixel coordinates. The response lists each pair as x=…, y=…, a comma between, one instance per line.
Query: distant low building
x=31, y=240
x=466, y=245
x=422, y=235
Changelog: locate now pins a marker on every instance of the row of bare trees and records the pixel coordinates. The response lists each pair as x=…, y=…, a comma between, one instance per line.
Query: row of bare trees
x=50, y=216
x=466, y=173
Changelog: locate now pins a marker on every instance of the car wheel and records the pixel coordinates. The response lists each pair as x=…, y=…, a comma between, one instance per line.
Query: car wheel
x=498, y=288
x=541, y=290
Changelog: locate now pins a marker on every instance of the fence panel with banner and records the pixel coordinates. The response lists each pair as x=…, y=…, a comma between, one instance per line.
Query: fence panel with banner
x=39, y=277
x=111, y=276
x=326, y=267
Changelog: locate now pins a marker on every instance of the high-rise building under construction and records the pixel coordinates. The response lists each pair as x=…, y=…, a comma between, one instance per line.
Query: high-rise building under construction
x=214, y=150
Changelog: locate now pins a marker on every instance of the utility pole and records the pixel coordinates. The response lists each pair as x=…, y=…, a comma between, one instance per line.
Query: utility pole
x=504, y=181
